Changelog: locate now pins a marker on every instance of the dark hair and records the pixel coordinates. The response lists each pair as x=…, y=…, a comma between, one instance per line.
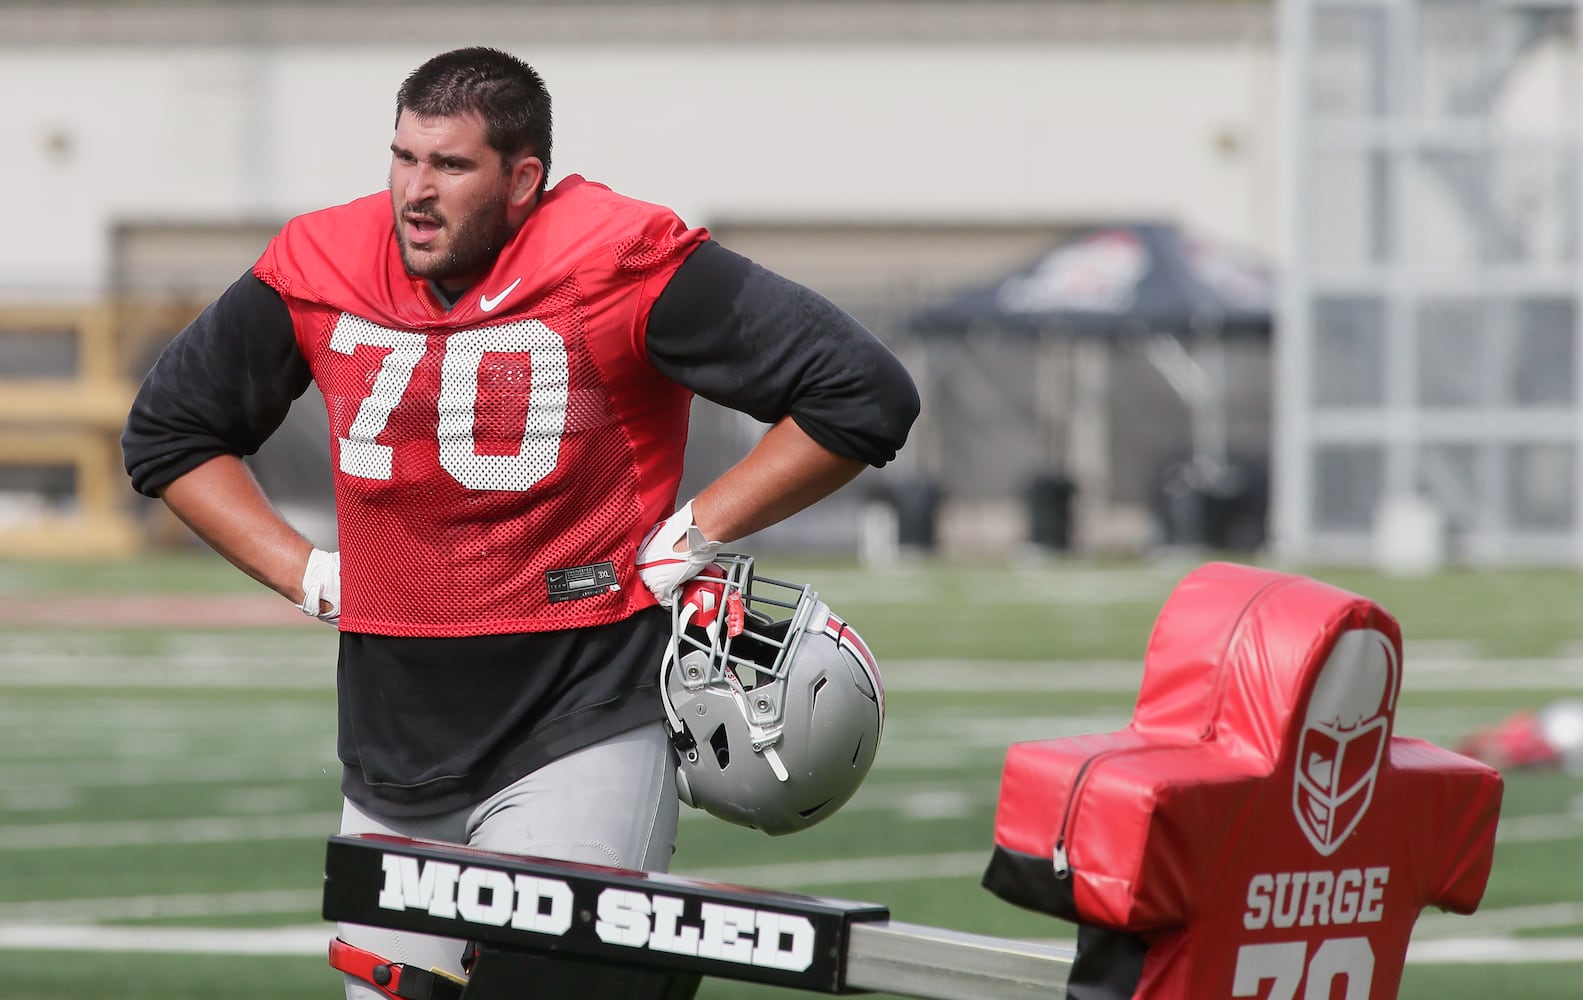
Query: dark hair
x=507, y=93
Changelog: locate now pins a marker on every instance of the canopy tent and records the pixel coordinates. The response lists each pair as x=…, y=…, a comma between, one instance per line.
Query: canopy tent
x=1146, y=286
x=1117, y=279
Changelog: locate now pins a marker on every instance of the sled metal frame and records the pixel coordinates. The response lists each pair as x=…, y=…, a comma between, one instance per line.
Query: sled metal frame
x=852, y=947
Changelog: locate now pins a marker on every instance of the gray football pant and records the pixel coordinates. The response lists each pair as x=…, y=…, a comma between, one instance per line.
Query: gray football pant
x=613, y=803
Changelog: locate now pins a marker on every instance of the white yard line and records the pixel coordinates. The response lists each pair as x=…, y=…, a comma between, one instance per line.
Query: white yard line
x=286, y=765
x=310, y=940
x=1496, y=951
x=225, y=667
x=910, y=800
x=1437, y=673
x=1486, y=922
x=134, y=833
x=1538, y=829
x=218, y=904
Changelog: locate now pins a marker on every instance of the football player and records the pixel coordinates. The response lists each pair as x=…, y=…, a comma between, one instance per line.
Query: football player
x=507, y=367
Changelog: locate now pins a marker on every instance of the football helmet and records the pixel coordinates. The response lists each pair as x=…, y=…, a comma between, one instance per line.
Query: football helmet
x=775, y=704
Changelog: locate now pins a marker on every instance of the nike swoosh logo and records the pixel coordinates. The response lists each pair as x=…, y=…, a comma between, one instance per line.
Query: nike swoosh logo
x=488, y=304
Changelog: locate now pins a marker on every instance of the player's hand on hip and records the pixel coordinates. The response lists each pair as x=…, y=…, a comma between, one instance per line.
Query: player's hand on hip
x=673, y=552
x=321, y=587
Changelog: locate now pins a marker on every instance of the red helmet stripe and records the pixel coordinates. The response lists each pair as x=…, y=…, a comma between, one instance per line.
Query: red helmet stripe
x=844, y=634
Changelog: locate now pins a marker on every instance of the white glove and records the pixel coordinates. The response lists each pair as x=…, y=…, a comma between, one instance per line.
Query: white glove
x=661, y=566
x=321, y=581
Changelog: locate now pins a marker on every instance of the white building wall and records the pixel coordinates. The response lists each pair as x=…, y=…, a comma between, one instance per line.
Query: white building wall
x=1044, y=129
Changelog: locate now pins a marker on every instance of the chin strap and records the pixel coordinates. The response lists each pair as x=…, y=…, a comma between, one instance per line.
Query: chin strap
x=683, y=740
x=394, y=979
x=775, y=763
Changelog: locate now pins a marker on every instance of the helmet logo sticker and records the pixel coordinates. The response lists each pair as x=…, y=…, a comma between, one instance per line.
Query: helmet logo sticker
x=1345, y=734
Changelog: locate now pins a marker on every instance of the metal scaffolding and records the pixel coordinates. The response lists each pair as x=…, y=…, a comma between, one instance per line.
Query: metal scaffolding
x=1428, y=360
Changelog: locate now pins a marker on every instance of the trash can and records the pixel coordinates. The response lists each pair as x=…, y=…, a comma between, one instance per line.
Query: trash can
x=1227, y=510
x=917, y=503
x=1050, y=511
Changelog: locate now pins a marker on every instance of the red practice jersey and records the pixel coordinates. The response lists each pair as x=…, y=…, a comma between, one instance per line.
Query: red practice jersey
x=1258, y=829
x=497, y=463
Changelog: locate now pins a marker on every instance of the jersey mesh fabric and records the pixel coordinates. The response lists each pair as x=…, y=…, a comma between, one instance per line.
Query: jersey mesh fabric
x=494, y=473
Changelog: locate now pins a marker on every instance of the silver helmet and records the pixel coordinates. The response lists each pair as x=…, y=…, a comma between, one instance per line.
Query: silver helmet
x=775, y=704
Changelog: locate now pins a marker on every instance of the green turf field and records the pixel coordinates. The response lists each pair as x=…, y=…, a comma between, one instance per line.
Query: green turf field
x=165, y=792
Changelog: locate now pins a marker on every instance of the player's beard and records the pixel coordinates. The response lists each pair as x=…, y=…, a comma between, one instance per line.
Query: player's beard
x=475, y=241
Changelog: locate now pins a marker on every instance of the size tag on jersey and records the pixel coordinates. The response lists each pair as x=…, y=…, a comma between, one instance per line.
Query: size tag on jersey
x=577, y=582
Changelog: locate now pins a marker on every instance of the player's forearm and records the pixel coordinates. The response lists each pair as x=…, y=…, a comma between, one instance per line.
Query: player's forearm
x=784, y=473
x=223, y=505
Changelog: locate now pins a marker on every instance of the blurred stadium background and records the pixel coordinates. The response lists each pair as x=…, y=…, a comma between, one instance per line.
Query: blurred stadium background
x=1293, y=282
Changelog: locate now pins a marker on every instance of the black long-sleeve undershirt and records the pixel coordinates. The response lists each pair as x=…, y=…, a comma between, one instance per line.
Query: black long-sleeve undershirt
x=745, y=337
x=728, y=329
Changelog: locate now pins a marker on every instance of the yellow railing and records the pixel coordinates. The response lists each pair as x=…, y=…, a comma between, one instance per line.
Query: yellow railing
x=73, y=422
